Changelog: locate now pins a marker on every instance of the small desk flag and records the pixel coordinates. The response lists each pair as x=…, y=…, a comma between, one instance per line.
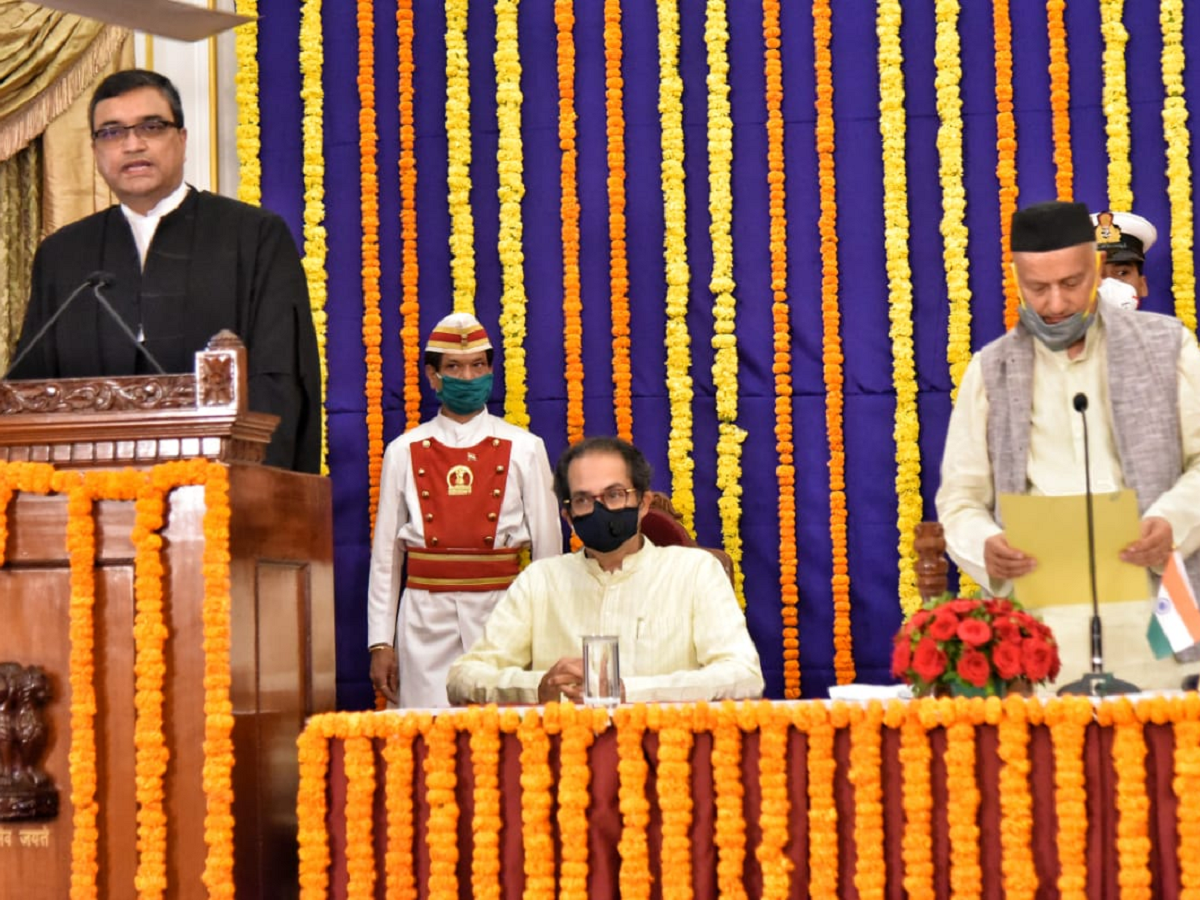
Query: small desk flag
x=1175, y=625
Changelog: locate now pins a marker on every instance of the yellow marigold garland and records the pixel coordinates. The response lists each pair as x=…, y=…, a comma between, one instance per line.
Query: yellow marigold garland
x=1133, y=806
x=1060, y=95
x=948, y=60
x=1185, y=713
x=441, y=780
x=724, y=340
x=831, y=345
x=892, y=128
x=816, y=721
x=536, y=801
x=1068, y=719
x=1006, y=149
x=312, y=809
x=312, y=62
x=410, y=337
x=916, y=757
x=962, y=792
x=399, y=864
x=634, y=877
x=149, y=668
x=678, y=274
x=564, y=20
x=372, y=327
x=1016, y=801
x=618, y=262
x=359, y=765
x=866, y=765
x=1116, y=104
x=1179, y=169
x=483, y=725
x=785, y=469
x=510, y=163
x=245, y=80
x=458, y=174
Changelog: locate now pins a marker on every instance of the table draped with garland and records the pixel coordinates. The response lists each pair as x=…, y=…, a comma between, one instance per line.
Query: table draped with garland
x=932, y=798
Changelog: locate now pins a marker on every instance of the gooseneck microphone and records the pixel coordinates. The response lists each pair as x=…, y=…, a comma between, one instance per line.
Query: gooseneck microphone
x=95, y=281
x=1097, y=683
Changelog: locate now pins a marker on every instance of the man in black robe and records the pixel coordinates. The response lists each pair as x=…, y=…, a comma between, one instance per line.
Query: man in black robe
x=184, y=265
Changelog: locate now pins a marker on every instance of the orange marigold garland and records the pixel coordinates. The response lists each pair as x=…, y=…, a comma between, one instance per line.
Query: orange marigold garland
x=564, y=19
x=441, y=780
x=730, y=831
x=635, y=807
x=483, y=725
x=1016, y=802
x=866, y=764
x=674, y=796
x=312, y=809
x=359, y=766
x=962, y=792
x=1068, y=720
x=831, y=343
x=410, y=338
x=816, y=721
x=1060, y=96
x=618, y=262
x=372, y=326
x=916, y=757
x=536, y=801
x=773, y=724
x=399, y=861
x=1006, y=149
x=785, y=470
x=1133, y=805
x=579, y=726
x=1185, y=714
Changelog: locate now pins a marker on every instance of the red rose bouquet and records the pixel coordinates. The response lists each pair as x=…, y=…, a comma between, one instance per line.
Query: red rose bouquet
x=973, y=647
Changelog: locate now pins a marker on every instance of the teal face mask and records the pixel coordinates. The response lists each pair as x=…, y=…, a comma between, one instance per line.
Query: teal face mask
x=463, y=396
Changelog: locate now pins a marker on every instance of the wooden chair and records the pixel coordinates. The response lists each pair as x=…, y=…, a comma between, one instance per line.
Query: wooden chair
x=664, y=526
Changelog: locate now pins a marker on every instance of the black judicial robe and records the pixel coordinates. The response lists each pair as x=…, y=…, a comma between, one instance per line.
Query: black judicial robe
x=213, y=263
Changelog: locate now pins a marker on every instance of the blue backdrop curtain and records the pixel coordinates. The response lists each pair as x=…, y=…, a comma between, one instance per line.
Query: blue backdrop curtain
x=869, y=393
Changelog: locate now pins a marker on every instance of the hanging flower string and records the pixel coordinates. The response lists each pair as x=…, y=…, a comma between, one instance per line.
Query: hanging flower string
x=564, y=20
x=410, y=338
x=245, y=80
x=1116, y=104
x=372, y=327
x=536, y=800
x=678, y=275
x=1060, y=96
x=1068, y=719
x=458, y=174
x=866, y=766
x=359, y=765
x=313, y=751
x=916, y=757
x=483, y=725
x=785, y=470
x=1179, y=169
x=773, y=725
x=1185, y=714
x=399, y=863
x=674, y=796
x=817, y=722
x=632, y=769
x=962, y=794
x=579, y=728
x=730, y=827
x=510, y=163
x=441, y=835
x=1133, y=805
x=1006, y=149
x=1016, y=801
x=724, y=340
x=831, y=346
x=892, y=127
x=618, y=262
x=312, y=63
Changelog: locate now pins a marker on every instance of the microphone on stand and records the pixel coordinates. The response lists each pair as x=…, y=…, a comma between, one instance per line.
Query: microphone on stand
x=1096, y=683
x=95, y=281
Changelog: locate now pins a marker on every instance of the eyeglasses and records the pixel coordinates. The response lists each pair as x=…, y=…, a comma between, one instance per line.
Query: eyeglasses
x=613, y=498
x=147, y=130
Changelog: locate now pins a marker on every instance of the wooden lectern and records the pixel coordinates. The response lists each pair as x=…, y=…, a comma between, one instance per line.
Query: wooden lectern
x=281, y=625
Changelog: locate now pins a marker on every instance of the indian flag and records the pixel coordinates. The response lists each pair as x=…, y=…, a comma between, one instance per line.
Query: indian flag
x=1175, y=625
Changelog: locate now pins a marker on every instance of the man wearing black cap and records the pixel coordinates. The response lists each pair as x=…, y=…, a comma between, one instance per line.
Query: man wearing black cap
x=1014, y=429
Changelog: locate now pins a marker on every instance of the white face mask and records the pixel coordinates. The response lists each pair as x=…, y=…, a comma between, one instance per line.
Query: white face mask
x=1117, y=293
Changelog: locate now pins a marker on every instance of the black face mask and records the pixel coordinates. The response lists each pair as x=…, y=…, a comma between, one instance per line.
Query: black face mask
x=604, y=530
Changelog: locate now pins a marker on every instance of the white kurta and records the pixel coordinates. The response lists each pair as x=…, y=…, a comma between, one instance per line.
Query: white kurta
x=680, y=632
x=1055, y=466
x=431, y=630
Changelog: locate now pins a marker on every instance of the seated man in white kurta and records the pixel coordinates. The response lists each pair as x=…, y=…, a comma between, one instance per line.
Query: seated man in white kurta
x=1014, y=430
x=459, y=498
x=681, y=635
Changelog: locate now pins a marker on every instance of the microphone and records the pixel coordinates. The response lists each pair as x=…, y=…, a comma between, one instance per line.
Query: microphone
x=95, y=281
x=1096, y=683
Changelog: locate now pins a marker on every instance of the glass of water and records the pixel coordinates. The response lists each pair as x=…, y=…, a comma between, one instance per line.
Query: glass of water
x=601, y=670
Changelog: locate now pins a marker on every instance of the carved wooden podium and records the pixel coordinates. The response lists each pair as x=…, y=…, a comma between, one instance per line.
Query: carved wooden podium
x=281, y=647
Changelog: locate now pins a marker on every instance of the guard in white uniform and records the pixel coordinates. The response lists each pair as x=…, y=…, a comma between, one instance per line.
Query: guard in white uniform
x=460, y=496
